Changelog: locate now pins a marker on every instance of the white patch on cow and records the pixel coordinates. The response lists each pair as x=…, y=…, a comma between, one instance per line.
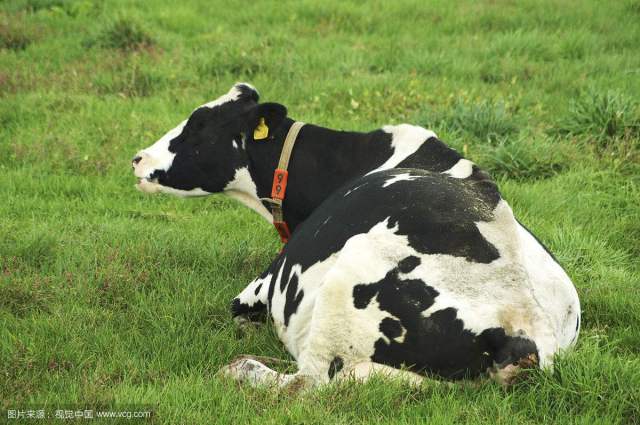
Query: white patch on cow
x=399, y=178
x=553, y=288
x=231, y=96
x=461, y=170
x=243, y=139
x=158, y=156
x=243, y=189
x=277, y=305
x=406, y=139
x=249, y=297
x=148, y=186
x=235, y=144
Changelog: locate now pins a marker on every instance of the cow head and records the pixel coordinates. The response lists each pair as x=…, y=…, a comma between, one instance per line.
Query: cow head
x=207, y=153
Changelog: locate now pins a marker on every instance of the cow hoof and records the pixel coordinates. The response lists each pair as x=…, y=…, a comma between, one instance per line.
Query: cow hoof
x=253, y=369
x=513, y=373
x=269, y=361
x=242, y=368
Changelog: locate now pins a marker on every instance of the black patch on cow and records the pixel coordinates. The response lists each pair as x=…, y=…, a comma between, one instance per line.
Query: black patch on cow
x=507, y=349
x=407, y=265
x=273, y=270
x=335, y=366
x=258, y=288
x=479, y=174
x=293, y=299
x=158, y=175
x=457, y=239
x=362, y=295
x=439, y=343
x=238, y=308
x=285, y=277
x=288, y=285
x=409, y=292
x=322, y=161
x=391, y=328
x=432, y=155
x=254, y=312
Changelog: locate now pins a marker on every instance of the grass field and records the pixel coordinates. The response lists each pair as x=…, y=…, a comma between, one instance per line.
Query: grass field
x=112, y=298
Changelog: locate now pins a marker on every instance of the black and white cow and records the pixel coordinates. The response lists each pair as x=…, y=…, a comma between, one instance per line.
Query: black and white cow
x=404, y=255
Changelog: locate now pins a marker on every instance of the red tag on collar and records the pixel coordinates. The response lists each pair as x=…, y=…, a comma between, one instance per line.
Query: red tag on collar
x=283, y=230
x=279, y=184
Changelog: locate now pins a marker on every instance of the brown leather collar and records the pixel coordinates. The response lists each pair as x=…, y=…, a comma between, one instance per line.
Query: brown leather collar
x=280, y=177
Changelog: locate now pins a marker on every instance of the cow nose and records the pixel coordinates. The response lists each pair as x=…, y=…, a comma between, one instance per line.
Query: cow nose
x=135, y=160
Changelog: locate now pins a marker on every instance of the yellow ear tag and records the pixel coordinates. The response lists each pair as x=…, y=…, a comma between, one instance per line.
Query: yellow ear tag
x=261, y=131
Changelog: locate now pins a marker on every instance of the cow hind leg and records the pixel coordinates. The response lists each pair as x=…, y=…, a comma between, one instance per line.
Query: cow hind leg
x=364, y=371
x=249, y=370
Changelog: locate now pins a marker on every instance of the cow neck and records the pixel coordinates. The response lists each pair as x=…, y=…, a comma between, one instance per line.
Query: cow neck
x=280, y=179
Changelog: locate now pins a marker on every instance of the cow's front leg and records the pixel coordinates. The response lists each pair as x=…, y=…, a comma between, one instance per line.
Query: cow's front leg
x=249, y=308
x=253, y=371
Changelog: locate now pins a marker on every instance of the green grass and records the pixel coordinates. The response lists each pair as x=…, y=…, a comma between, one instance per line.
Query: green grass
x=605, y=117
x=110, y=297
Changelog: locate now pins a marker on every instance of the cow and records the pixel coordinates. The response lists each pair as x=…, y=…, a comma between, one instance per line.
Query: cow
x=403, y=259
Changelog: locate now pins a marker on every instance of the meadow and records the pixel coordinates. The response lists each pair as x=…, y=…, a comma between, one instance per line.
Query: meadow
x=112, y=298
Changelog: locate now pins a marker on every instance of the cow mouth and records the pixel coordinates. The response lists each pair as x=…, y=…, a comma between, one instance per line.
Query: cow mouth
x=148, y=185
x=146, y=180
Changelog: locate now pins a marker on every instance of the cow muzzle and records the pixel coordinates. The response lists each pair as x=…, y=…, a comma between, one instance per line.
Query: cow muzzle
x=143, y=169
x=148, y=185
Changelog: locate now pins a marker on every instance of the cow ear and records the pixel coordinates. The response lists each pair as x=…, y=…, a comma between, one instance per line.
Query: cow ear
x=247, y=91
x=266, y=117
